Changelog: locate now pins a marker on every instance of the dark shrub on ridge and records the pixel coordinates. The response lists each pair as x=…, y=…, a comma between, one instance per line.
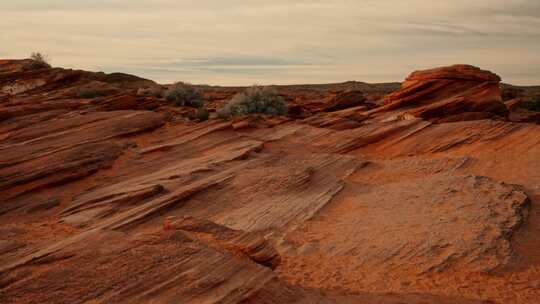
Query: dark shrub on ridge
x=184, y=94
x=255, y=99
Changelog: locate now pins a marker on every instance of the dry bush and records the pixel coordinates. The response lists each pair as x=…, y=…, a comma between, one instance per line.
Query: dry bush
x=39, y=61
x=184, y=94
x=255, y=99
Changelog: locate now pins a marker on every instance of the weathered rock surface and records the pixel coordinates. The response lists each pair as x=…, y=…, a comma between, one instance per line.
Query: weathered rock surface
x=449, y=93
x=344, y=100
x=250, y=244
x=120, y=198
x=523, y=115
x=456, y=220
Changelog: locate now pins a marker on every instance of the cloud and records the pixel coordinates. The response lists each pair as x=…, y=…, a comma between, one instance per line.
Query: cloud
x=233, y=42
x=247, y=61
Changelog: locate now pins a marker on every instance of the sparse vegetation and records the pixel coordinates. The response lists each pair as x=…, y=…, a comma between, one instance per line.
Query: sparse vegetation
x=256, y=99
x=39, y=61
x=202, y=114
x=184, y=94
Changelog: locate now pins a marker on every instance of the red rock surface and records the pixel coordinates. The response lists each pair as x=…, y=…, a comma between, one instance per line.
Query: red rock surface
x=448, y=92
x=121, y=198
x=344, y=100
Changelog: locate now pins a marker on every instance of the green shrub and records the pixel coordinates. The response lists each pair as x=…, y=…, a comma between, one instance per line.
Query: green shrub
x=202, y=114
x=256, y=99
x=184, y=94
x=39, y=61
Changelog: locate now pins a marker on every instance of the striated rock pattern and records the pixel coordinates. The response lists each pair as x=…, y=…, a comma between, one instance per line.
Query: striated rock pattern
x=454, y=93
x=113, y=196
x=344, y=100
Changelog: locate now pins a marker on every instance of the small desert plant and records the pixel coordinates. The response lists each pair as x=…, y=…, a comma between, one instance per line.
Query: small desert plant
x=256, y=99
x=184, y=94
x=39, y=61
x=202, y=114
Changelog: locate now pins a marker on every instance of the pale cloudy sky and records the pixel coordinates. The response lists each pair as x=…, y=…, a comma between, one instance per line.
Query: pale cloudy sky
x=276, y=41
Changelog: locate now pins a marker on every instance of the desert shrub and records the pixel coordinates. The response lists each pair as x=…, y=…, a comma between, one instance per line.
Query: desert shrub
x=184, y=94
x=532, y=105
x=256, y=99
x=39, y=61
x=202, y=114
x=223, y=112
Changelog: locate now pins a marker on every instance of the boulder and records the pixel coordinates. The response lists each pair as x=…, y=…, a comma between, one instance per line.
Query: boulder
x=344, y=100
x=448, y=91
x=513, y=104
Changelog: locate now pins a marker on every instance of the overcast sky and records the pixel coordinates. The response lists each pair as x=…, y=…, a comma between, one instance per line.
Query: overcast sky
x=276, y=41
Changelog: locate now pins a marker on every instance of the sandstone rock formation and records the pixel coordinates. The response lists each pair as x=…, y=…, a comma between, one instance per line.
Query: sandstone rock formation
x=121, y=198
x=459, y=92
x=344, y=100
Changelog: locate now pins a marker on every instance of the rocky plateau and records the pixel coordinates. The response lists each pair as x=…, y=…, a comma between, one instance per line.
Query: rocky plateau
x=426, y=191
